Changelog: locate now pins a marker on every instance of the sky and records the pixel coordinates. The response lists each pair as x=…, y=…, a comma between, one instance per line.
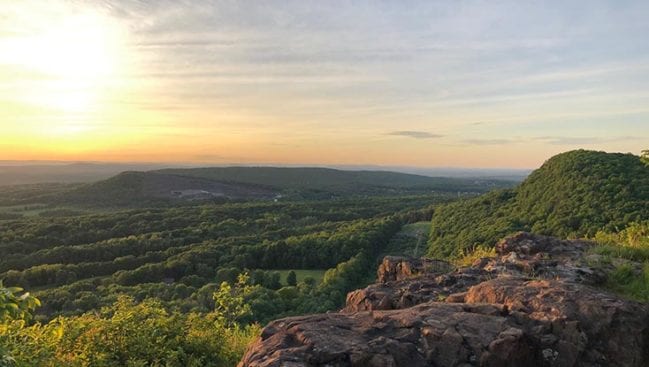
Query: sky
x=410, y=83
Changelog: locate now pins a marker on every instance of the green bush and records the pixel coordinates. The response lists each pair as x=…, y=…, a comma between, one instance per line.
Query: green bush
x=127, y=334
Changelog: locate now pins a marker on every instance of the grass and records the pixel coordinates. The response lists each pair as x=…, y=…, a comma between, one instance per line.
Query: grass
x=469, y=257
x=622, y=252
x=630, y=250
x=318, y=275
x=632, y=243
x=630, y=281
x=410, y=241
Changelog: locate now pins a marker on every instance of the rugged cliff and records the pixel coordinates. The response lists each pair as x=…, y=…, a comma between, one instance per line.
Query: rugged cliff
x=536, y=304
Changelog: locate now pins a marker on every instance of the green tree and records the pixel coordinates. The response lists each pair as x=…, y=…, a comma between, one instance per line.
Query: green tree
x=16, y=306
x=310, y=282
x=291, y=278
x=230, y=304
x=126, y=334
x=645, y=156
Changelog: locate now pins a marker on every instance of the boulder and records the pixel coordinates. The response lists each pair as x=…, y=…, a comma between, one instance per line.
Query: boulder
x=535, y=304
x=401, y=267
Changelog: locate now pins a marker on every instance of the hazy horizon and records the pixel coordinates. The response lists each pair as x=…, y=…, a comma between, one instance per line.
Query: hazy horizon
x=469, y=84
x=34, y=172
x=146, y=166
x=30, y=162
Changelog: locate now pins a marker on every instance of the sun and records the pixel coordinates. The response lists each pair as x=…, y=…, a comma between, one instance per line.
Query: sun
x=80, y=46
x=69, y=63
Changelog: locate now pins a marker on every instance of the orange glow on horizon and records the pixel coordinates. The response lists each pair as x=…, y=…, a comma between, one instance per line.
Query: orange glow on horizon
x=187, y=82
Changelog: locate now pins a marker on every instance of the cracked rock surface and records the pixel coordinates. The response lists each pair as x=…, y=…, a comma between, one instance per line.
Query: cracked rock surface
x=535, y=304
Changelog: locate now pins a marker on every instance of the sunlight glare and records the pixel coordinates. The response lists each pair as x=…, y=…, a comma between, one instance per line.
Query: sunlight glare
x=70, y=64
x=78, y=47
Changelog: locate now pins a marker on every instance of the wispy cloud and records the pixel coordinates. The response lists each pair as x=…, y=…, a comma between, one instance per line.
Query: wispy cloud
x=415, y=134
x=242, y=73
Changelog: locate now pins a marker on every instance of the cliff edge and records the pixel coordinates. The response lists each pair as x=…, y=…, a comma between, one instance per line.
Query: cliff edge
x=537, y=303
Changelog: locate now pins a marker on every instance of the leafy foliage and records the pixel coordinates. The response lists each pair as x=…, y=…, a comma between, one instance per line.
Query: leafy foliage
x=16, y=306
x=470, y=256
x=196, y=322
x=230, y=305
x=181, y=255
x=573, y=194
x=127, y=334
x=627, y=251
x=333, y=180
x=291, y=278
x=632, y=243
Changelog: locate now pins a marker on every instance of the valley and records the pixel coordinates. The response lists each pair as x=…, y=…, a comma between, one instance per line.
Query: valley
x=122, y=244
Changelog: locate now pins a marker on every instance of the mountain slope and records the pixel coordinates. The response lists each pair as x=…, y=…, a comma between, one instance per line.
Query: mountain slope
x=172, y=185
x=573, y=194
x=333, y=180
x=24, y=173
x=143, y=188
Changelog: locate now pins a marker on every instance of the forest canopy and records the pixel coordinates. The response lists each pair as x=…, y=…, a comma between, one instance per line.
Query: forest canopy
x=574, y=194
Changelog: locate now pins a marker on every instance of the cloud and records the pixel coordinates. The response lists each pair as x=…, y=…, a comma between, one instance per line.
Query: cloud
x=415, y=134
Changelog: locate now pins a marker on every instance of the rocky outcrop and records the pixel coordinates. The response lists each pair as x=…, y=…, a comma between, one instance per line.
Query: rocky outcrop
x=401, y=267
x=536, y=304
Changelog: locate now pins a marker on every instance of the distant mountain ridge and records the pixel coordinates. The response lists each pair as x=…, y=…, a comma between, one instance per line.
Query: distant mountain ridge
x=36, y=172
x=136, y=188
x=327, y=178
x=573, y=194
x=33, y=172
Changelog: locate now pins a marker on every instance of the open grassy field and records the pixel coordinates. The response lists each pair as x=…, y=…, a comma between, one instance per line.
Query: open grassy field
x=303, y=273
x=410, y=241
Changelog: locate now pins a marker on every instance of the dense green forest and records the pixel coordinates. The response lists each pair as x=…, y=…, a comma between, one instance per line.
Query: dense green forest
x=190, y=284
x=180, y=255
x=333, y=180
x=183, y=285
x=574, y=194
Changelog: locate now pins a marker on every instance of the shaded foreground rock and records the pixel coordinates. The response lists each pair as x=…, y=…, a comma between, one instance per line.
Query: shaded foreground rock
x=533, y=305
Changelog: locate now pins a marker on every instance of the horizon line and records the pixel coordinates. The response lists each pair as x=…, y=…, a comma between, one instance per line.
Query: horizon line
x=28, y=162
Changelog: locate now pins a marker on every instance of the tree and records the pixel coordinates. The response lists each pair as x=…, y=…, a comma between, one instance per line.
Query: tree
x=14, y=306
x=645, y=157
x=274, y=280
x=230, y=304
x=310, y=282
x=125, y=334
x=291, y=278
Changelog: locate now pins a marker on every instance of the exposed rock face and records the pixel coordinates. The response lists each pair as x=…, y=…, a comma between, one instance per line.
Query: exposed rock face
x=535, y=304
x=400, y=267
